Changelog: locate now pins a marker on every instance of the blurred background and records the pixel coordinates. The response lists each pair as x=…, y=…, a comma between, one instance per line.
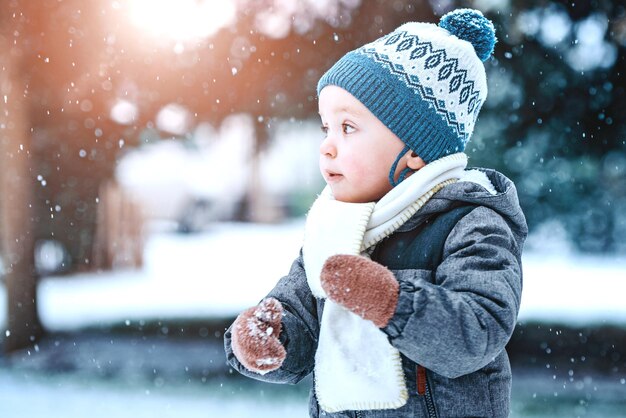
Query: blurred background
x=145, y=146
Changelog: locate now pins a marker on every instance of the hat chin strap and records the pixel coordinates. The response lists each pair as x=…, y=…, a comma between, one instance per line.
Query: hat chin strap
x=403, y=173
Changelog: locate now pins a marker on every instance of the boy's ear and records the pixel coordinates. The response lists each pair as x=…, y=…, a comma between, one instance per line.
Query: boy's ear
x=414, y=161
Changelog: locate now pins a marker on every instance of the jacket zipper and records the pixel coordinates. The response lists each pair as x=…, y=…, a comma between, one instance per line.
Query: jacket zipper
x=423, y=389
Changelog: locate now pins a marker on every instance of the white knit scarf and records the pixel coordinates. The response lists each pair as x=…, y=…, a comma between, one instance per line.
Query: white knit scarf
x=356, y=368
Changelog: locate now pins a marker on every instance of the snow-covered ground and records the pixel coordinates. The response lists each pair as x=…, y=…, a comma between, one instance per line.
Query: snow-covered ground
x=23, y=396
x=231, y=266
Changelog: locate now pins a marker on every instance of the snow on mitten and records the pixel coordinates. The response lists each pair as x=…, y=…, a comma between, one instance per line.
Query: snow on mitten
x=363, y=286
x=255, y=337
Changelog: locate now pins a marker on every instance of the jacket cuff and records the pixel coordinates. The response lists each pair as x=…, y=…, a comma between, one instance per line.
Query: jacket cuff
x=295, y=342
x=404, y=311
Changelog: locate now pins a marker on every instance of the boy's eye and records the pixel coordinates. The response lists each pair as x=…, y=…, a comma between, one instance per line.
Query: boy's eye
x=324, y=129
x=347, y=128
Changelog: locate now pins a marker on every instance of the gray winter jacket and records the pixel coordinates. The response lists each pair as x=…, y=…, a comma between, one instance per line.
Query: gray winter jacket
x=453, y=319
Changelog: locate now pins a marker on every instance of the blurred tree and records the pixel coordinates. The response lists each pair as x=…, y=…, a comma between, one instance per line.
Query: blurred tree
x=554, y=118
x=17, y=237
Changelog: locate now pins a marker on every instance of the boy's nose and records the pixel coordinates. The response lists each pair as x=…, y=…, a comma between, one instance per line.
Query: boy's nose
x=327, y=148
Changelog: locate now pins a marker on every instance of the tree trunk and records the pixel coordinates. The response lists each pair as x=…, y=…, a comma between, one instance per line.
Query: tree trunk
x=16, y=212
x=261, y=207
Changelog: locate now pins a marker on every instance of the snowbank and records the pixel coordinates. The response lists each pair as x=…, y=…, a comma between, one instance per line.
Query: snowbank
x=101, y=399
x=232, y=266
x=574, y=289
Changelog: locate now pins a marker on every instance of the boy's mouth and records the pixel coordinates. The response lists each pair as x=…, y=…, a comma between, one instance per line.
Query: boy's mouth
x=332, y=176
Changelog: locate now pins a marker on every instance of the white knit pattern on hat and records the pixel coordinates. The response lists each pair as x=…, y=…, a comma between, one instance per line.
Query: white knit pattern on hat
x=439, y=67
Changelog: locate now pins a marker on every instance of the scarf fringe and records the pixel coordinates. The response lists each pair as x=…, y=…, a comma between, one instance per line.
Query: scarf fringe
x=366, y=406
x=362, y=225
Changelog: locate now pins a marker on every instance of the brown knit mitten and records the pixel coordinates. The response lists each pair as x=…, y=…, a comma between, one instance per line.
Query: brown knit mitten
x=363, y=286
x=255, y=337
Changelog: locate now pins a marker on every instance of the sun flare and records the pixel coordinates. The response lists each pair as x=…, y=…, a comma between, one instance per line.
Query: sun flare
x=182, y=20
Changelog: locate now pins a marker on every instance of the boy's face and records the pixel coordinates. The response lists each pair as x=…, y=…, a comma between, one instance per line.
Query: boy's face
x=358, y=150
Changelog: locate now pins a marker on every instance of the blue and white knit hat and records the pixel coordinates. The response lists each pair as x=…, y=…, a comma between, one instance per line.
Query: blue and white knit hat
x=425, y=82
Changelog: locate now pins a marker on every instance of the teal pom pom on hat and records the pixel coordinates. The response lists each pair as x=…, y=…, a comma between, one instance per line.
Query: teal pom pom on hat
x=425, y=82
x=471, y=26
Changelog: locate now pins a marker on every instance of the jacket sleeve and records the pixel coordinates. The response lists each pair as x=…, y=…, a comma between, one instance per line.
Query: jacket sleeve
x=300, y=329
x=463, y=320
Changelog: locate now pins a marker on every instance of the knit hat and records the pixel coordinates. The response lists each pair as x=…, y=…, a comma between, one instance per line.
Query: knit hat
x=425, y=82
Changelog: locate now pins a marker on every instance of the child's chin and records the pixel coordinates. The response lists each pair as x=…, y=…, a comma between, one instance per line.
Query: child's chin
x=349, y=198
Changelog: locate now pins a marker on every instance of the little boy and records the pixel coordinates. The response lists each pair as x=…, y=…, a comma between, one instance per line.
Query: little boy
x=409, y=280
